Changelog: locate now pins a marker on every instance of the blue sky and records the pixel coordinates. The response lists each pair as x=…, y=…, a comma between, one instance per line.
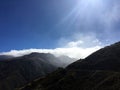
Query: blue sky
x=48, y=24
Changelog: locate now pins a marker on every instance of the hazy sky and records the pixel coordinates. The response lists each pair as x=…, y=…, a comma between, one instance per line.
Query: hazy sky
x=55, y=24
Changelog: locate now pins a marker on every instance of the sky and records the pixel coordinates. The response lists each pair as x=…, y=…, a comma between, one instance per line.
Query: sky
x=45, y=25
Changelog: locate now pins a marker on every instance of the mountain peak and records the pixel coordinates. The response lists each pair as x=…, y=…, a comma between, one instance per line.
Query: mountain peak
x=107, y=58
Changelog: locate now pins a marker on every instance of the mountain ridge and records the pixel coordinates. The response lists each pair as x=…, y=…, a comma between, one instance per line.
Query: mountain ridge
x=99, y=71
x=18, y=71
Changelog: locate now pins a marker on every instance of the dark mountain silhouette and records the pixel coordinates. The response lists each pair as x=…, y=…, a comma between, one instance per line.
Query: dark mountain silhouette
x=18, y=71
x=5, y=57
x=107, y=58
x=99, y=71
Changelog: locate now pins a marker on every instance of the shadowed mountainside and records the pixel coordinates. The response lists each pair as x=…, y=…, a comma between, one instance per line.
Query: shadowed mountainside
x=99, y=71
x=5, y=57
x=18, y=71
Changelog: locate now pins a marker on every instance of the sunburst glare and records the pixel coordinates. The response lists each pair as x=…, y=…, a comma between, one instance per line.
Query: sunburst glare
x=82, y=9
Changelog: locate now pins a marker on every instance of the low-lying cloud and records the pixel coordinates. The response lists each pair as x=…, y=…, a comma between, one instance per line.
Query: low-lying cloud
x=80, y=47
x=74, y=52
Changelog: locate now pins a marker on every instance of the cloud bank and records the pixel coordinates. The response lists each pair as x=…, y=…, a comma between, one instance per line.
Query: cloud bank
x=74, y=52
x=77, y=47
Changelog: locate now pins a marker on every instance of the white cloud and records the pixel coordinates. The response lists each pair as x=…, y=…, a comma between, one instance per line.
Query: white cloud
x=74, y=52
x=75, y=43
x=80, y=40
x=79, y=47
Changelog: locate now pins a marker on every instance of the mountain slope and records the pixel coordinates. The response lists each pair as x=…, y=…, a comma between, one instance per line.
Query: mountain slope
x=78, y=80
x=107, y=58
x=5, y=57
x=99, y=71
x=18, y=71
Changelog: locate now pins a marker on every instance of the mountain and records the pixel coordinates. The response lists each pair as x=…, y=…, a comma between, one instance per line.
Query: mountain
x=5, y=57
x=107, y=58
x=99, y=71
x=18, y=71
x=66, y=60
